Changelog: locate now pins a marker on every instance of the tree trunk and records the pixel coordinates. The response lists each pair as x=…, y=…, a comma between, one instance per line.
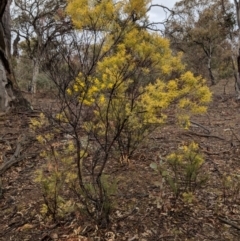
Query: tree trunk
x=10, y=96
x=237, y=83
x=36, y=67
x=210, y=70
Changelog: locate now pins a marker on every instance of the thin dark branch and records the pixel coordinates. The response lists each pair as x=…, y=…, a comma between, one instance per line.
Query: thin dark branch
x=229, y=223
x=161, y=6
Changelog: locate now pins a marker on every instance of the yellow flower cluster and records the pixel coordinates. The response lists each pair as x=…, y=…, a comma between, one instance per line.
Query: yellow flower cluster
x=91, y=14
x=38, y=122
x=187, y=154
x=133, y=81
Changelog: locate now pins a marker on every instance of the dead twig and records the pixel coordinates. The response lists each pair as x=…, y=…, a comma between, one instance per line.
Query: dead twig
x=132, y=212
x=16, y=157
x=203, y=135
x=235, y=134
x=216, y=153
x=229, y=223
x=200, y=125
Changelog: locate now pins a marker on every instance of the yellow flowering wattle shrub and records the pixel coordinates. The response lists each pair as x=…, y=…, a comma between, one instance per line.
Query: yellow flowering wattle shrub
x=128, y=80
x=135, y=78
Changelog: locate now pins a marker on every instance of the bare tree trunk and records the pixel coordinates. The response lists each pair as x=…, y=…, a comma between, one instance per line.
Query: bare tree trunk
x=213, y=82
x=237, y=83
x=10, y=95
x=36, y=66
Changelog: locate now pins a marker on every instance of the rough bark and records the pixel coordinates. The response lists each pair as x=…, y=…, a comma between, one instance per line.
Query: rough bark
x=213, y=82
x=237, y=84
x=10, y=95
x=36, y=67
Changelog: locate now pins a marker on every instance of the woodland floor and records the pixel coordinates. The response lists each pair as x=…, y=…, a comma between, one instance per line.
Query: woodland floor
x=213, y=215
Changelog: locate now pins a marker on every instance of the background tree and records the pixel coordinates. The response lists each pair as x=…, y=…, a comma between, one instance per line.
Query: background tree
x=199, y=29
x=39, y=23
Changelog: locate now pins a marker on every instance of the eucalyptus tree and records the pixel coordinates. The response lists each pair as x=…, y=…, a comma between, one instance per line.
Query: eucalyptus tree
x=39, y=23
x=198, y=29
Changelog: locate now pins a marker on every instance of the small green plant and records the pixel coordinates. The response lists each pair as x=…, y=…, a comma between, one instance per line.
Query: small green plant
x=59, y=176
x=182, y=171
x=55, y=206
x=54, y=178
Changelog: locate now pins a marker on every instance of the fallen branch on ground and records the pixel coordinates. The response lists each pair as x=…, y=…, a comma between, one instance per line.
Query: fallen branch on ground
x=229, y=223
x=199, y=125
x=203, y=135
x=17, y=157
x=216, y=153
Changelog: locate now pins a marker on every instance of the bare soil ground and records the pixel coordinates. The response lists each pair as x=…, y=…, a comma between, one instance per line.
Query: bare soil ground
x=212, y=215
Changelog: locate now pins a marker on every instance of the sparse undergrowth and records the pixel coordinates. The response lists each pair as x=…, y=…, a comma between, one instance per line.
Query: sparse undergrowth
x=116, y=113
x=136, y=212
x=182, y=171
